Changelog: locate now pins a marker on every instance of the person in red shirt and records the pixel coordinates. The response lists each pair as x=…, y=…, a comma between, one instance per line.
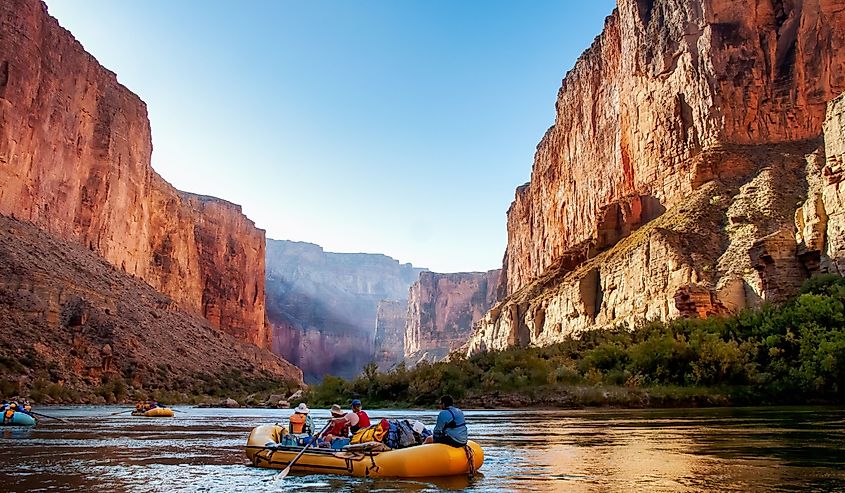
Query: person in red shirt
x=339, y=427
x=363, y=418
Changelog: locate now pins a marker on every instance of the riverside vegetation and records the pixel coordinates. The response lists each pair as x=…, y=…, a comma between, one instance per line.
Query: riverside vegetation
x=786, y=354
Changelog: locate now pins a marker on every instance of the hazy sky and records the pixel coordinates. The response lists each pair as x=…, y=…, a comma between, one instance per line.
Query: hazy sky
x=399, y=127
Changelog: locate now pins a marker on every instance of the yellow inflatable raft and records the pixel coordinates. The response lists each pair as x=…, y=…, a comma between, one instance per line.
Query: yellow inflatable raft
x=430, y=460
x=158, y=412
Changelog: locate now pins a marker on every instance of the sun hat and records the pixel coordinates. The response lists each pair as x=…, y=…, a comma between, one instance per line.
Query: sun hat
x=356, y=402
x=336, y=410
x=302, y=408
x=352, y=419
x=418, y=426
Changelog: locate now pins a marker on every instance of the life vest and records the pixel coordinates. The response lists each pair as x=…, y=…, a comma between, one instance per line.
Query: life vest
x=363, y=421
x=297, y=423
x=374, y=433
x=8, y=414
x=454, y=423
x=338, y=429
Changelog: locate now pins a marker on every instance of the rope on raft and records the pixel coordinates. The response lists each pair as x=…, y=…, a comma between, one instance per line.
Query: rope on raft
x=471, y=460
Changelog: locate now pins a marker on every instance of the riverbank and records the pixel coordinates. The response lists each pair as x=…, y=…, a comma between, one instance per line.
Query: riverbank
x=786, y=354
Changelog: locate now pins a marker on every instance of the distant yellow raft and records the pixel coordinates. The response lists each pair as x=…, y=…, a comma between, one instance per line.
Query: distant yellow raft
x=158, y=412
x=431, y=460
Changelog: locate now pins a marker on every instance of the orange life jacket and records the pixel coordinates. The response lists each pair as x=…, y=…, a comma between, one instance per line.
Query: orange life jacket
x=297, y=423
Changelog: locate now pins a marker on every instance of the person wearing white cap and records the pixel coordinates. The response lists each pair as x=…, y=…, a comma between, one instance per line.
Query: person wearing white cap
x=300, y=421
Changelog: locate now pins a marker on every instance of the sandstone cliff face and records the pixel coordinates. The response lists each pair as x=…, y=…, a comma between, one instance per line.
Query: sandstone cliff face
x=68, y=316
x=666, y=81
x=389, y=339
x=442, y=309
x=684, y=138
x=322, y=306
x=824, y=219
x=75, y=161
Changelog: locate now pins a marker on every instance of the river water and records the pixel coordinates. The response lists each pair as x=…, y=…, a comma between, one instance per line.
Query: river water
x=729, y=449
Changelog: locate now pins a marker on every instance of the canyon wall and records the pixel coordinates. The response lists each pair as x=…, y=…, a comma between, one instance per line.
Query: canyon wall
x=69, y=317
x=322, y=306
x=667, y=186
x=389, y=341
x=75, y=161
x=442, y=309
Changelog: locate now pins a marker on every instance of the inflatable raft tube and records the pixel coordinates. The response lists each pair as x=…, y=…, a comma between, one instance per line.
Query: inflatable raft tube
x=19, y=419
x=159, y=412
x=430, y=460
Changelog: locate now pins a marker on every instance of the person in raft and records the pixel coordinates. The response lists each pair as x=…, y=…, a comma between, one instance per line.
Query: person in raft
x=451, y=427
x=300, y=421
x=363, y=418
x=339, y=427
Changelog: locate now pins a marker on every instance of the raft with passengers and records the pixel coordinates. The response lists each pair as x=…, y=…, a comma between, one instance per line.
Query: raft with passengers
x=152, y=409
x=388, y=448
x=17, y=413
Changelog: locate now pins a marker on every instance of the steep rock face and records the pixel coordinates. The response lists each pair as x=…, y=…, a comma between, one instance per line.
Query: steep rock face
x=69, y=317
x=828, y=214
x=442, y=309
x=75, y=161
x=390, y=333
x=667, y=81
x=322, y=306
x=705, y=118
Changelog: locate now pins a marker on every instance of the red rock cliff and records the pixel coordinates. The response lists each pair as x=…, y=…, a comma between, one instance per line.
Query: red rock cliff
x=667, y=186
x=442, y=309
x=75, y=161
x=666, y=81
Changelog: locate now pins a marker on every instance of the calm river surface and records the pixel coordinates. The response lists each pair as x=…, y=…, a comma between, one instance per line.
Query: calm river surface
x=738, y=449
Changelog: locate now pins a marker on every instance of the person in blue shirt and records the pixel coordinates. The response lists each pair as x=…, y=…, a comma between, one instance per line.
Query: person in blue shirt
x=451, y=428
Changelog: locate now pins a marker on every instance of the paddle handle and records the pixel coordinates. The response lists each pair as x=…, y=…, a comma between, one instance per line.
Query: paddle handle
x=286, y=470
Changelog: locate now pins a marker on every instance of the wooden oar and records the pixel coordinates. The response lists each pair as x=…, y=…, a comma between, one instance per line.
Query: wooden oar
x=49, y=417
x=286, y=470
x=121, y=412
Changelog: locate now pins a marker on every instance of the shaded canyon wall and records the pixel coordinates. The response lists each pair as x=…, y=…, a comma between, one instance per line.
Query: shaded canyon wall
x=322, y=306
x=75, y=153
x=442, y=309
x=389, y=341
x=685, y=139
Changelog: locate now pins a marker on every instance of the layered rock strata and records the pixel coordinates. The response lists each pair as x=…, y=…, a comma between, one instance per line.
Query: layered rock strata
x=322, y=306
x=442, y=309
x=681, y=108
x=69, y=317
x=389, y=341
x=666, y=81
x=75, y=161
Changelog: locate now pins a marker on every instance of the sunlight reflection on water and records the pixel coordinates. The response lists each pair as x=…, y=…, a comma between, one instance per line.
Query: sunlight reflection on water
x=773, y=449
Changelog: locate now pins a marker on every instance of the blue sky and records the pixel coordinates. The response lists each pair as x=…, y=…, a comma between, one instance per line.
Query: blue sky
x=398, y=127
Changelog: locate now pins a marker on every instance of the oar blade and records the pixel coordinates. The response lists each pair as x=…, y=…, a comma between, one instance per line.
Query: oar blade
x=282, y=475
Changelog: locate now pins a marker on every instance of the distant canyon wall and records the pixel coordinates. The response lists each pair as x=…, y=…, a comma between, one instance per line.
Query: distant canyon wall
x=389, y=341
x=442, y=309
x=75, y=161
x=322, y=306
x=667, y=186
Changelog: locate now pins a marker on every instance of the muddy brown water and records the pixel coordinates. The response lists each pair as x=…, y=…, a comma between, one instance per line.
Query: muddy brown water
x=728, y=449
